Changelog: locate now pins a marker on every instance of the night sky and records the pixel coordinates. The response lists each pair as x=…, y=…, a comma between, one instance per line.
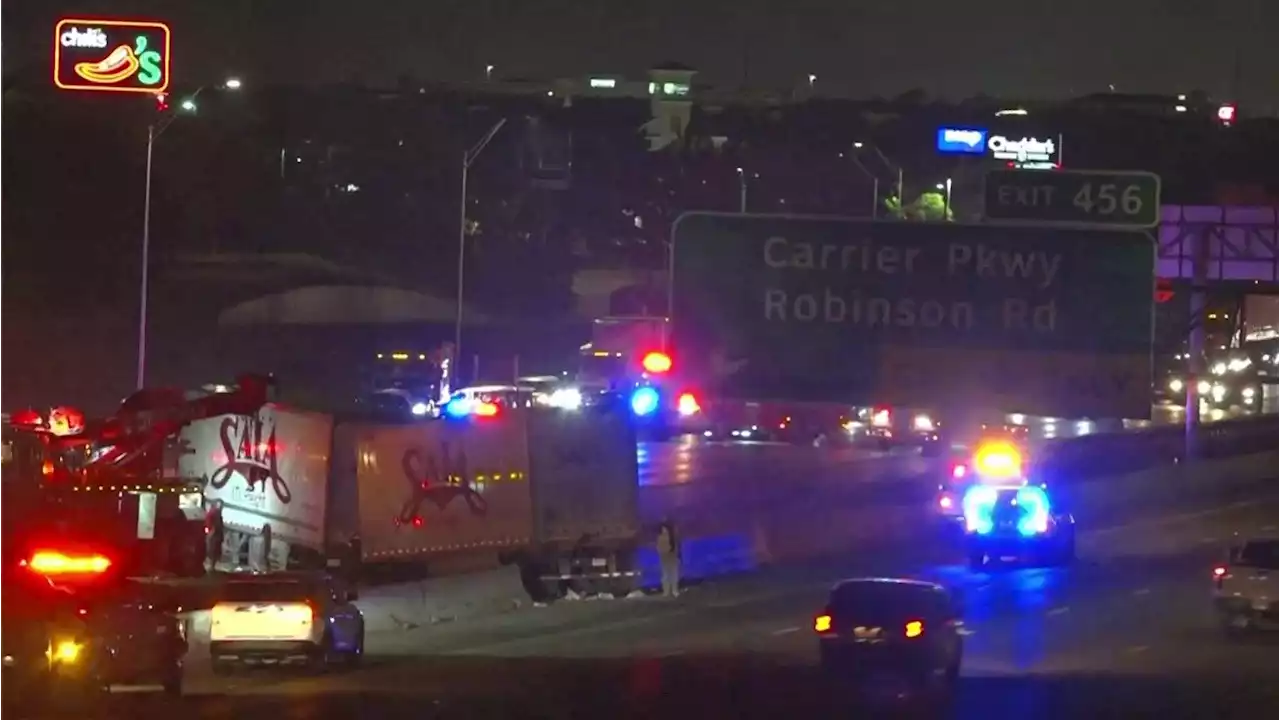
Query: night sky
x=1007, y=48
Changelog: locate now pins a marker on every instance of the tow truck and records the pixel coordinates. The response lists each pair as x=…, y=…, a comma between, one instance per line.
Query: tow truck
x=108, y=478
x=89, y=518
x=1008, y=516
x=74, y=627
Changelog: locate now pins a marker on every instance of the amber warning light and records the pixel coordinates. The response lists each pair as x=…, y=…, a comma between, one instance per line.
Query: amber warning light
x=656, y=363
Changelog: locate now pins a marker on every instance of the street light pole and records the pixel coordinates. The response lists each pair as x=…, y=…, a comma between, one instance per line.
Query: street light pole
x=154, y=130
x=144, y=289
x=468, y=158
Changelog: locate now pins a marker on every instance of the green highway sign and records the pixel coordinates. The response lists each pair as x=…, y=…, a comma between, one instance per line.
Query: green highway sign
x=1046, y=321
x=1074, y=197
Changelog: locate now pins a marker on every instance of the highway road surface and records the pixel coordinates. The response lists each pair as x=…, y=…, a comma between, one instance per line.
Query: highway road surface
x=795, y=498
x=1124, y=633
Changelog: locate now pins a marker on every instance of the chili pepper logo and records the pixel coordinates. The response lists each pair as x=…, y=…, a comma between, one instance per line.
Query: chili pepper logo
x=437, y=479
x=123, y=63
x=251, y=451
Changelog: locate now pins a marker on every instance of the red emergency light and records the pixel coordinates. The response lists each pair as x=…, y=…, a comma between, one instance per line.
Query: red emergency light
x=53, y=562
x=656, y=363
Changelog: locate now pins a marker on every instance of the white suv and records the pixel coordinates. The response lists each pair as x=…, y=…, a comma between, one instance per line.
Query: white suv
x=1245, y=588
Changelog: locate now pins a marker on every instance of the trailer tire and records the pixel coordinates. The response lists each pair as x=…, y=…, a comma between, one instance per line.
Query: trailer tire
x=533, y=573
x=626, y=584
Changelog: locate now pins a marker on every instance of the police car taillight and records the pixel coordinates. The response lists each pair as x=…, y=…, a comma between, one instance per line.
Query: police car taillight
x=1219, y=575
x=688, y=405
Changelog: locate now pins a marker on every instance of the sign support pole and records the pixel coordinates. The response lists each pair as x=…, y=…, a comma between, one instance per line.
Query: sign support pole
x=1195, y=342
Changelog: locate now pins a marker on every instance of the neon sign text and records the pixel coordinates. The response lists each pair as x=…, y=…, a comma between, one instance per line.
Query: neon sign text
x=88, y=38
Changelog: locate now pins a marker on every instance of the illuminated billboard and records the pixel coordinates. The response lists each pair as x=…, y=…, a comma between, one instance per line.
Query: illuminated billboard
x=1025, y=150
x=962, y=141
x=111, y=55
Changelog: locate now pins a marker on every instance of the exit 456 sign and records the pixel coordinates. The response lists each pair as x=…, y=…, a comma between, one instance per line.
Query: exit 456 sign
x=111, y=55
x=1079, y=197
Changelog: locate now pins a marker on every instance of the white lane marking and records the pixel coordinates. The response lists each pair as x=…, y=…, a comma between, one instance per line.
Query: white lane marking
x=785, y=631
x=1058, y=611
x=1142, y=591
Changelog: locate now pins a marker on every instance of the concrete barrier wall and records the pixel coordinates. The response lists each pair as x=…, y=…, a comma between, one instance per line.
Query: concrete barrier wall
x=812, y=528
x=407, y=606
x=781, y=529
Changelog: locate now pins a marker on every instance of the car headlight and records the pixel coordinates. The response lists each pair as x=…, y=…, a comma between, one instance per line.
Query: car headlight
x=1176, y=385
x=65, y=652
x=1248, y=393
x=566, y=399
x=1218, y=391
x=419, y=409
x=1204, y=387
x=923, y=422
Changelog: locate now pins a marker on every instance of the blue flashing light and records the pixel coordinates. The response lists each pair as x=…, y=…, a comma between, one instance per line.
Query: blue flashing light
x=458, y=408
x=644, y=401
x=978, y=502
x=1034, y=502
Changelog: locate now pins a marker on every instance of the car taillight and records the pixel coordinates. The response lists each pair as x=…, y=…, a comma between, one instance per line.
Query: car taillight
x=1219, y=574
x=822, y=623
x=959, y=470
x=484, y=409
x=51, y=562
x=880, y=418
x=913, y=629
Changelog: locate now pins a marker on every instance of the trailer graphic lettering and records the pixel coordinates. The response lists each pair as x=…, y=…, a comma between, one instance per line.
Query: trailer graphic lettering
x=437, y=478
x=250, y=451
